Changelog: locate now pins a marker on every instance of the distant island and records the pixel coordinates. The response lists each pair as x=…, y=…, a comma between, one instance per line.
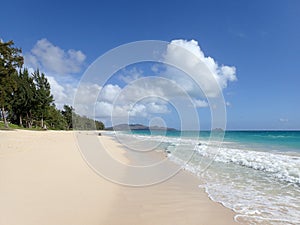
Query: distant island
x=124, y=127
x=218, y=129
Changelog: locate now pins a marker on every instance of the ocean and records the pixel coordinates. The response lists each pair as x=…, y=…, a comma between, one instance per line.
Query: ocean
x=254, y=173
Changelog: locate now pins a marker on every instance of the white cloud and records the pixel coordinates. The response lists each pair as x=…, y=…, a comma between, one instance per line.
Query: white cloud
x=86, y=96
x=211, y=76
x=87, y=93
x=130, y=101
x=58, y=65
x=156, y=107
x=138, y=110
x=131, y=75
x=228, y=104
x=284, y=120
x=200, y=103
x=59, y=92
x=103, y=109
x=109, y=92
x=53, y=59
x=137, y=99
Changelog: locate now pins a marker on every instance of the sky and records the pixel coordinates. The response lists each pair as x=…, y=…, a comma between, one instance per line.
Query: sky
x=251, y=48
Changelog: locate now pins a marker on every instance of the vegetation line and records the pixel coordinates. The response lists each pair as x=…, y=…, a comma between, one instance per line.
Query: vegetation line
x=26, y=100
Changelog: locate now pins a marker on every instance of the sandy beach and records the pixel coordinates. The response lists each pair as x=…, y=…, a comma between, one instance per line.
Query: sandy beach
x=44, y=180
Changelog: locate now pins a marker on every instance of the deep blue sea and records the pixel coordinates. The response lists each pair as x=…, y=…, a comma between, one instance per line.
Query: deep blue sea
x=254, y=173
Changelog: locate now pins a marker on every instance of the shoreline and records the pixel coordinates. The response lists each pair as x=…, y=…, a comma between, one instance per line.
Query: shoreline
x=44, y=180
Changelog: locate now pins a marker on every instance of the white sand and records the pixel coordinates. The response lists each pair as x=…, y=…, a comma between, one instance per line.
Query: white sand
x=45, y=181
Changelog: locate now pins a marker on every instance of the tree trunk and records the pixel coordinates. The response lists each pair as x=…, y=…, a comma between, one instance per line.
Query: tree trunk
x=29, y=121
x=20, y=120
x=4, y=117
x=42, y=122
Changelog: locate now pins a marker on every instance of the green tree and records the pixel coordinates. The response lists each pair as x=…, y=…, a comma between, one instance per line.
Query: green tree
x=99, y=125
x=10, y=60
x=43, y=95
x=55, y=119
x=68, y=115
x=85, y=123
x=23, y=99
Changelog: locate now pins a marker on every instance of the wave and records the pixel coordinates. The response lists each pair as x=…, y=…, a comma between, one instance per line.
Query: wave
x=250, y=183
x=280, y=166
x=262, y=187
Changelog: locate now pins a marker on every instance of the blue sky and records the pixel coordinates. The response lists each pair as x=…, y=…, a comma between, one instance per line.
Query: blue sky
x=259, y=38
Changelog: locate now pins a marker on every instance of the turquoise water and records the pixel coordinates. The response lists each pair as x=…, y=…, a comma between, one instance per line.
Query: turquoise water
x=254, y=173
x=283, y=140
x=277, y=140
